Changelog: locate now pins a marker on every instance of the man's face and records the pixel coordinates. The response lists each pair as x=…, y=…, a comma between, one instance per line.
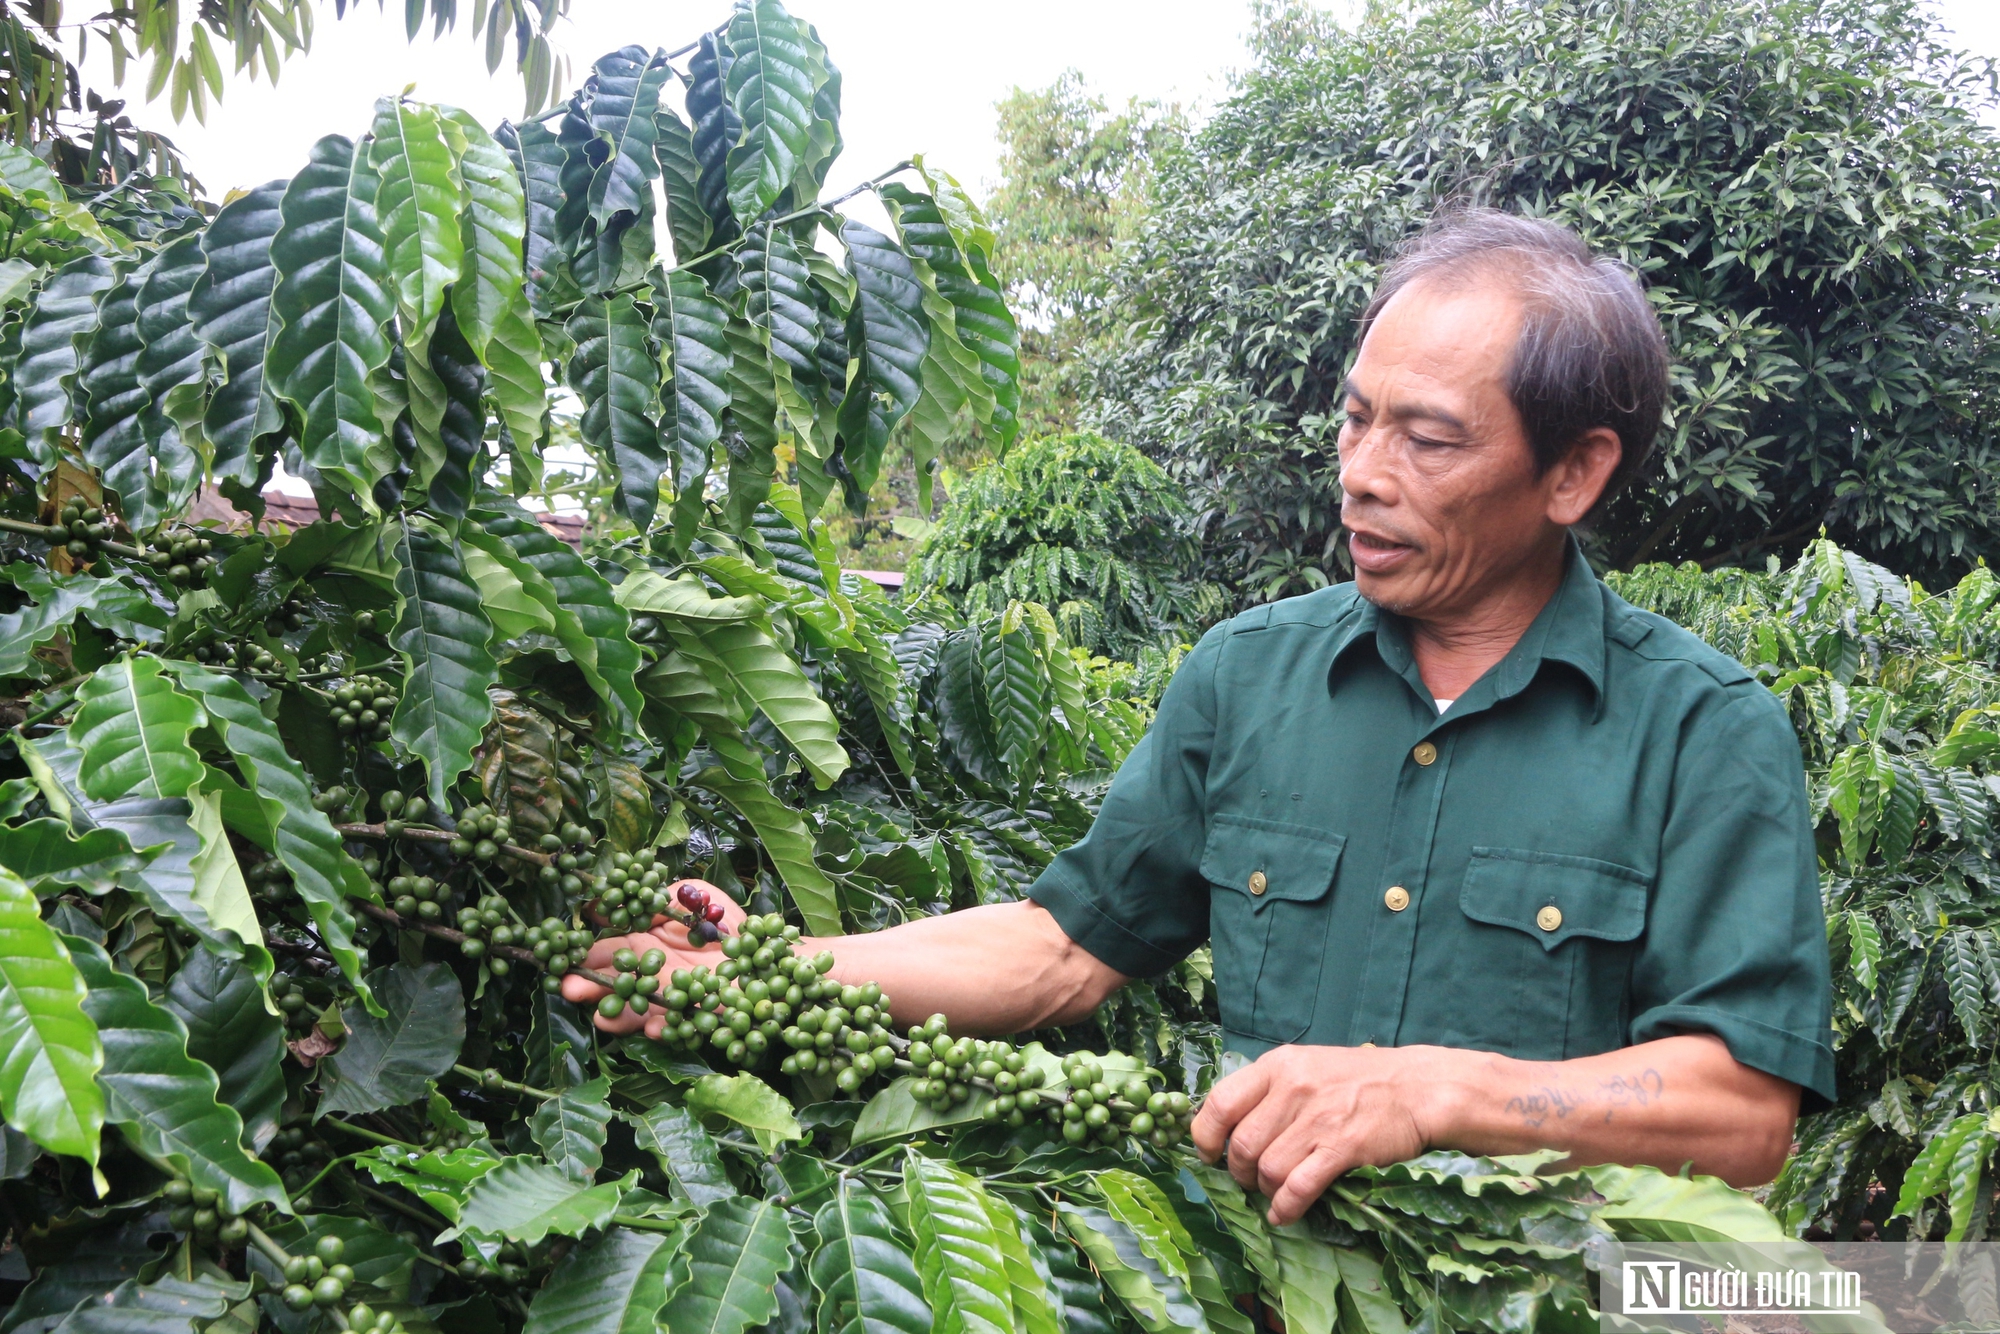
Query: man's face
x=1440, y=494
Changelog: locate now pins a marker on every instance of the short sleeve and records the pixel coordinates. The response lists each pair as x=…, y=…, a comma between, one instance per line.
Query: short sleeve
x=1130, y=892
x=1735, y=940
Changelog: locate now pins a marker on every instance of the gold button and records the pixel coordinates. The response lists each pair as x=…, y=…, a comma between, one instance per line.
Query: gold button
x=1367, y=1044
x=1425, y=753
x=1257, y=882
x=1549, y=918
x=1397, y=898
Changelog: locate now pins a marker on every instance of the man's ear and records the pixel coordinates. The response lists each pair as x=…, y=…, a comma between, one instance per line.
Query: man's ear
x=1576, y=483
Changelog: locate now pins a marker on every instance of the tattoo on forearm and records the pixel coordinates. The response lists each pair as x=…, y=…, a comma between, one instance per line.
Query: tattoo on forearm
x=1561, y=1102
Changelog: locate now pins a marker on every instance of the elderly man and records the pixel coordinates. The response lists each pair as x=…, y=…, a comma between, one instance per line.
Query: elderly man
x=1489, y=859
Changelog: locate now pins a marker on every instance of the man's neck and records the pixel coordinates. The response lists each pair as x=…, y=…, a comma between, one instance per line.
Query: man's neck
x=1454, y=651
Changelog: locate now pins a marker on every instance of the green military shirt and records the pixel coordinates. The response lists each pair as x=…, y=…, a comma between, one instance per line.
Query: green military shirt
x=1604, y=841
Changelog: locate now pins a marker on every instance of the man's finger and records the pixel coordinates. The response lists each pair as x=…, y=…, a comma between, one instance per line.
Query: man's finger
x=1306, y=1183
x=626, y=1022
x=581, y=990
x=1254, y=1134
x=1226, y=1104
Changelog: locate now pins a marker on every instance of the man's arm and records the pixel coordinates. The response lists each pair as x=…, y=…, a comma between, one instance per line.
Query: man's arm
x=1001, y=969
x=1301, y=1116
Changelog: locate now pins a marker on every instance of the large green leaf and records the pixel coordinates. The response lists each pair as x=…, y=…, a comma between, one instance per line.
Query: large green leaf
x=490, y=298
x=693, y=331
x=627, y=85
x=231, y=310
x=1016, y=698
x=304, y=840
x=617, y=377
x=460, y=385
x=1030, y=1284
x=867, y=1281
x=114, y=442
x=1142, y=1206
x=167, y=1305
x=63, y=320
x=717, y=127
x=887, y=335
x=58, y=599
x=680, y=175
x=1157, y=1299
x=895, y=1113
x=1084, y=1306
x=230, y=1030
x=49, y=1048
x=773, y=680
x=778, y=291
x=771, y=85
x=787, y=841
x=729, y=1268
x=219, y=887
x=166, y=1102
x=333, y=298
x=1643, y=1204
x=419, y=202
x=570, y=1129
x=442, y=633
x=391, y=1059
x=748, y=1102
x=171, y=372
x=45, y=853
x=132, y=727
x=958, y=1256
x=524, y=1199
x=685, y=1150
x=538, y=160
x=588, y=620
x=613, y=1283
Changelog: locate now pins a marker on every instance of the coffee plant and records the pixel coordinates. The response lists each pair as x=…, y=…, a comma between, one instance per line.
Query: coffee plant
x=300, y=832
x=1896, y=697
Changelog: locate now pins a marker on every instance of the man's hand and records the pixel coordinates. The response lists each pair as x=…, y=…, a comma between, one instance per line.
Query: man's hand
x=1299, y=1117
x=667, y=935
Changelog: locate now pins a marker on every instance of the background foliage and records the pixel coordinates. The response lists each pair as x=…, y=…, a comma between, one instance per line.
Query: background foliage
x=1805, y=187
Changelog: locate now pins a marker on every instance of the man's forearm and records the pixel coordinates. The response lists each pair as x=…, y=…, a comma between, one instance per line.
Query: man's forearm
x=1664, y=1103
x=1006, y=968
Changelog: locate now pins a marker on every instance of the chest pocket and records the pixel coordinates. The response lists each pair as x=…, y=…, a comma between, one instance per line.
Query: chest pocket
x=1268, y=920
x=1557, y=936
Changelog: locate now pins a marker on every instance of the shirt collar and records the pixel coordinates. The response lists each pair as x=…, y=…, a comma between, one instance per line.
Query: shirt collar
x=1569, y=630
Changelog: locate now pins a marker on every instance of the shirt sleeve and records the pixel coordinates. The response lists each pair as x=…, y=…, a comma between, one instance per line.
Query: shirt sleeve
x=1735, y=940
x=1131, y=891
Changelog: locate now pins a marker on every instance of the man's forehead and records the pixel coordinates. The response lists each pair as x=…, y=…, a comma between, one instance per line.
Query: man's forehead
x=1433, y=345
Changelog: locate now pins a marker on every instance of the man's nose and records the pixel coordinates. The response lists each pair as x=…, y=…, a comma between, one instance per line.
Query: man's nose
x=1364, y=471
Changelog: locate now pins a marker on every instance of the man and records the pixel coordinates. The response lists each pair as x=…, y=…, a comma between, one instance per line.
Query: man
x=1489, y=859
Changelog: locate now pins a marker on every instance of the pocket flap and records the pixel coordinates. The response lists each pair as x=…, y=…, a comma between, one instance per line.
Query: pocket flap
x=1265, y=860
x=1551, y=896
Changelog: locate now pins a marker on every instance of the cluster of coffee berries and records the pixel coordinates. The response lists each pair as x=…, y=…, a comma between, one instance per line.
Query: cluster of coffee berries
x=707, y=926
x=363, y=706
x=270, y=879
x=78, y=529
x=946, y=1068
x=332, y=800
x=636, y=982
x=743, y=1006
x=289, y=994
x=417, y=896
x=297, y=1154
x=321, y=1280
x=510, y=1269
x=202, y=1211
x=559, y=946
x=291, y=616
x=480, y=833
x=634, y=890
x=444, y=1141
x=240, y=654
x=183, y=556
x=1107, y=1108
x=400, y=812
x=490, y=922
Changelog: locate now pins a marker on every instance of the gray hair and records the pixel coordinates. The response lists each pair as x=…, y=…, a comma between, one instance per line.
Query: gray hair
x=1591, y=352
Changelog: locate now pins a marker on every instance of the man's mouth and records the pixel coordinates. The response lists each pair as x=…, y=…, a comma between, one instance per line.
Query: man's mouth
x=1376, y=554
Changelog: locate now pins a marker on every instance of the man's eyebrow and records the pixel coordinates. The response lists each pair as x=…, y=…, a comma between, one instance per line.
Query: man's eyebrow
x=1413, y=412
